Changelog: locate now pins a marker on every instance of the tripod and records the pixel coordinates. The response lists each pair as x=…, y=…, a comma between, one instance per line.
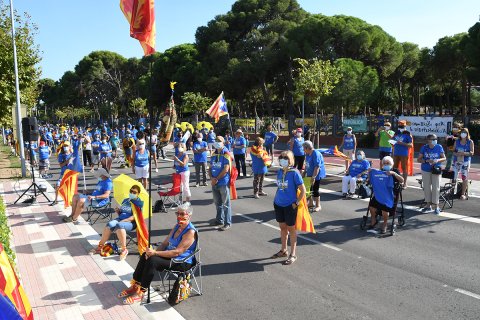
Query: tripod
x=34, y=185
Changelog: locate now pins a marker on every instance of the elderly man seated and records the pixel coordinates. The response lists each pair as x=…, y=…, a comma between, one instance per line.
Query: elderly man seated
x=357, y=170
x=383, y=182
x=180, y=243
x=99, y=197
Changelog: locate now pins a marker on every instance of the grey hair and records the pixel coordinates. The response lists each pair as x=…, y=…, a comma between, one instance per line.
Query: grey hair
x=389, y=159
x=308, y=144
x=186, y=207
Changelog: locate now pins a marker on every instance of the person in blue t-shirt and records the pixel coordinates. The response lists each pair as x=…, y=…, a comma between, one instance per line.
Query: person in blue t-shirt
x=404, y=142
x=105, y=149
x=285, y=203
x=357, y=170
x=211, y=140
x=270, y=139
x=463, y=150
x=99, y=197
x=431, y=157
x=181, y=167
x=65, y=160
x=200, y=153
x=296, y=146
x=44, y=153
x=240, y=145
x=349, y=146
x=259, y=168
x=314, y=169
x=219, y=172
x=96, y=151
x=141, y=163
x=383, y=199
x=228, y=140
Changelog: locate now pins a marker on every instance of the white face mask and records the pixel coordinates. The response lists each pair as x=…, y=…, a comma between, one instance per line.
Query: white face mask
x=180, y=150
x=283, y=163
x=218, y=145
x=359, y=157
x=401, y=129
x=199, y=139
x=387, y=128
x=65, y=149
x=104, y=141
x=299, y=135
x=463, y=135
x=349, y=132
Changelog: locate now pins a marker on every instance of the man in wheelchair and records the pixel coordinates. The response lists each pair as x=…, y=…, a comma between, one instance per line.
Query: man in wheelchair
x=383, y=183
x=357, y=170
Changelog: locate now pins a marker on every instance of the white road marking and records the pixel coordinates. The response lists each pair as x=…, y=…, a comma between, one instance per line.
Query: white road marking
x=468, y=293
x=298, y=235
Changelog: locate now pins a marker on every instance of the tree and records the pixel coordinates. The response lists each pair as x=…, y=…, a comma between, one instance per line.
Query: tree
x=138, y=107
x=194, y=102
x=28, y=57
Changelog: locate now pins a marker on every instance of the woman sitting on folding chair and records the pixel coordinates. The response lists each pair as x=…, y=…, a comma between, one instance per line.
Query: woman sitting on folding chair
x=125, y=222
x=180, y=243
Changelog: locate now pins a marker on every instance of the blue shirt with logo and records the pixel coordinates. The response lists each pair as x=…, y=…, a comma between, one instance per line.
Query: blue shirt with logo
x=211, y=137
x=298, y=146
x=258, y=166
x=399, y=150
x=348, y=142
x=105, y=147
x=96, y=146
x=357, y=167
x=44, y=152
x=62, y=157
x=102, y=187
x=315, y=160
x=270, y=137
x=382, y=187
x=229, y=143
x=241, y=141
x=218, y=161
x=430, y=154
x=178, y=167
x=173, y=243
x=459, y=147
x=200, y=157
x=141, y=160
x=287, y=184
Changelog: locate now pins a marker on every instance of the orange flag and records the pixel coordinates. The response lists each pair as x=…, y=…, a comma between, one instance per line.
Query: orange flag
x=142, y=231
x=411, y=151
x=262, y=154
x=68, y=186
x=10, y=285
x=304, y=221
x=141, y=16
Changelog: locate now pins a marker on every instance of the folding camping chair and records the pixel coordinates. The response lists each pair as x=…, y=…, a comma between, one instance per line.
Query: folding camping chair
x=170, y=274
x=102, y=211
x=172, y=197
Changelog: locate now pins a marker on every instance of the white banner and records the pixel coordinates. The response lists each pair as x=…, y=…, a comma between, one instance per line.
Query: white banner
x=423, y=126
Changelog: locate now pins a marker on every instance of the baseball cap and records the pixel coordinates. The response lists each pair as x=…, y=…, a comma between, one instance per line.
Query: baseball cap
x=102, y=172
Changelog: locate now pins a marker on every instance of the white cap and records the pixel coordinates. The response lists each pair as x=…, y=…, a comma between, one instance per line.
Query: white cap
x=102, y=172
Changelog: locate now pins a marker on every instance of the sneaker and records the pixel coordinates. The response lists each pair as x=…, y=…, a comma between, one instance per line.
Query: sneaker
x=197, y=185
x=123, y=254
x=437, y=211
x=225, y=227
x=216, y=223
x=263, y=194
x=427, y=209
x=204, y=185
x=156, y=169
x=68, y=219
x=256, y=196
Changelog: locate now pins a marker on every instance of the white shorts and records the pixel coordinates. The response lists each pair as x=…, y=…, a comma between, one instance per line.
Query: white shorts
x=349, y=153
x=141, y=172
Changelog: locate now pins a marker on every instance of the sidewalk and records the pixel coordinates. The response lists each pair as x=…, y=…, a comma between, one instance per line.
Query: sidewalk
x=60, y=278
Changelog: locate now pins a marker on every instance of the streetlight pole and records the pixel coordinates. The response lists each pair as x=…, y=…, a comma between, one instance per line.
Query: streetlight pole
x=17, y=88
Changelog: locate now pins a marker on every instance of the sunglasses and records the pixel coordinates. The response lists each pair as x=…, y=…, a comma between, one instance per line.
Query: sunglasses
x=282, y=157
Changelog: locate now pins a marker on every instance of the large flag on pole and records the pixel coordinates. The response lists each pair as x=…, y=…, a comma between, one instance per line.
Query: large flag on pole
x=141, y=16
x=68, y=186
x=218, y=108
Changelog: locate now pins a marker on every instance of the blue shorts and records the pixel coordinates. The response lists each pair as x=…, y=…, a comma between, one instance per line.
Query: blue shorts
x=128, y=151
x=116, y=224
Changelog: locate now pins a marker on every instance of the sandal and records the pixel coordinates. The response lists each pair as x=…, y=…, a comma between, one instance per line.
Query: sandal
x=96, y=250
x=123, y=254
x=128, y=292
x=280, y=254
x=291, y=259
x=136, y=297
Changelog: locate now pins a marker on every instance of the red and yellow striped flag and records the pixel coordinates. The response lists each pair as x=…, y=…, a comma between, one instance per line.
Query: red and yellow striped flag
x=304, y=221
x=68, y=186
x=141, y=16
x=142, y=231
x=10, y=285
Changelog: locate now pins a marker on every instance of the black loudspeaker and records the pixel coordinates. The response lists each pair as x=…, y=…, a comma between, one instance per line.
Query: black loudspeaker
x=30, y=129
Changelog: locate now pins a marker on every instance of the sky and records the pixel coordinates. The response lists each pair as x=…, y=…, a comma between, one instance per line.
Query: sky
x=68, y=30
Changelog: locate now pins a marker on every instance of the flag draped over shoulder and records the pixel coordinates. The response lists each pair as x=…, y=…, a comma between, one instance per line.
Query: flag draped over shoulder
x=141, y=16
x=304, y=221
x=411, y=151
x=68, y=186
x=262, y=154
x=142, y=231
x=333, y=151
x=11, y=287
x=233, y=175
x=218, y=108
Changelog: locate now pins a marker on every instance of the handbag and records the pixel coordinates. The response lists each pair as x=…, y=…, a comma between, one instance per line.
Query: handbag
x=181, y=289
x=364, y=191
x=436, y=170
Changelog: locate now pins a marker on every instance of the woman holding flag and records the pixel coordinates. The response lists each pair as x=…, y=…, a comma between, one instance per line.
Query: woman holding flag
x=260, y=161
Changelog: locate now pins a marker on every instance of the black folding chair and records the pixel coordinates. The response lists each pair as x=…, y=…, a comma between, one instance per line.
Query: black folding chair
x=104, y=211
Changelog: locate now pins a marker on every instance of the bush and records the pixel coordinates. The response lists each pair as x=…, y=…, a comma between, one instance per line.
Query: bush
x=474, y=129
x=5, y=232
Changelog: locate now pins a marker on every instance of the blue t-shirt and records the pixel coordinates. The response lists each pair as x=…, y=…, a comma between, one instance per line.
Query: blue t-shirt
x=178, y=167
x=44, y=152
x=430, y=154
x=102, y=187
x=399, y=150
x=62, y=157
x=229, y=143
x=96, y=146
x=141, y=160
x=125, y=210
x=357, y=167
x=315, y=160
x=462, y=148
x=34, y=146
x=105, y=147
x=211, y=137
x=287, y=184
x=382, y=187
x=258, y=166
x=348, y=142
x=298, y=146
x=200, y=157
x=270, y=137
x=240, y=142
x=217, y=163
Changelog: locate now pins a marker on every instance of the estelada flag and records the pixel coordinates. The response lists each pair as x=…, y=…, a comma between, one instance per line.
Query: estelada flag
x=141, y=16
x=68, y=186
x=304, y=220
x=142, y=231
x=333, y=151
x=232, y=171
x=218, y=108
x=262, y=154
x=10, y=285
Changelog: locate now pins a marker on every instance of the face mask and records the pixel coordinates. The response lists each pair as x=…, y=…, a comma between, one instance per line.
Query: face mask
x=100, y=179
x=387, y=128
x=104, y=141
x=283, y=163
x=97, y=138
x=401, y=129
x=463, y=135
x=132, y=196
x=359, y=157
x=218, y=145
x=128, y=135
x=433, y=142
x=299, y=135
x=349, y=132
x=387, y=167
x=182, y=219
x=199, y=139
x=65, y=149
x=141, y=146
x=180, y=150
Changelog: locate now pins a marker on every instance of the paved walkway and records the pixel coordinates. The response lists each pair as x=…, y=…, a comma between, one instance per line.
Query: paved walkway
x=61, y=279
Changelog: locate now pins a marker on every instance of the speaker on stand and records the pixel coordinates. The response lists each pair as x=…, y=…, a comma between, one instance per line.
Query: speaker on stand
x=31, y=133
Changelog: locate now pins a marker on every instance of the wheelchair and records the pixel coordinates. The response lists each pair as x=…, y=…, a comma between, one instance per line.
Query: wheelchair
x=395, y=213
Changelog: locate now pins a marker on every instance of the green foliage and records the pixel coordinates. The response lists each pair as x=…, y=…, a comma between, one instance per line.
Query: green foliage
x=138, y=106
x=315, y=79
x=5, y=232
x=194, y=102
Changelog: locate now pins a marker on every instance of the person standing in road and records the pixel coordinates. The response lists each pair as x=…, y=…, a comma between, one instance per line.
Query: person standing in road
x=431, y=156
x=87, y=151
x=239, y=152
x=349, y=145
x=211, y=140
x=296, y=146
x=286, y=201
x=384, y=147
x=181, y=167
x=314, y=169
x=259, y=157
x=404, y=141
x=105, y=154
x=228, y=140
x=140, y=165
x=128, y=144
x=270, y=139
x=462, y=155
x=65, y=159
x=219, y=172
x=200, y=153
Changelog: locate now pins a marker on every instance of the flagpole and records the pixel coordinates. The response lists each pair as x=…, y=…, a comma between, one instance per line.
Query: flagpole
x=150, y=111
x=83, y=170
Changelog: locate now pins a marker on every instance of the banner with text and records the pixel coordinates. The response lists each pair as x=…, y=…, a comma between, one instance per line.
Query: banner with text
x=423, y=126
x=358, y=124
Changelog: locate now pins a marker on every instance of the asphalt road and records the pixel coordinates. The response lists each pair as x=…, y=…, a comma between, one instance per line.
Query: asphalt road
x=430, y=269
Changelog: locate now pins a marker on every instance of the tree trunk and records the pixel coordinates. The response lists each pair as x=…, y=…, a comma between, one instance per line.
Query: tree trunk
x=464, y=97
x=400, y=95
x=266, y=98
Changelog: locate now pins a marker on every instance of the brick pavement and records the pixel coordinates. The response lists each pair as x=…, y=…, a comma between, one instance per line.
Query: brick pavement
x=61, y=279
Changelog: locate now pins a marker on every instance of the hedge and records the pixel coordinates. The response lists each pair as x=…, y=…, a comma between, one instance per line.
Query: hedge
x=5, y=232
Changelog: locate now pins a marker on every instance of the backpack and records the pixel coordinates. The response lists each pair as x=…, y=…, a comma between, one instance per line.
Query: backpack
x=181, y=289
x=159, y=207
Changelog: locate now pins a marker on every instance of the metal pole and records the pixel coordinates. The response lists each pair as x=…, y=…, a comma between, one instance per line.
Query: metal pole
x=303, y=112
x=17, y=88
x=83, y=167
